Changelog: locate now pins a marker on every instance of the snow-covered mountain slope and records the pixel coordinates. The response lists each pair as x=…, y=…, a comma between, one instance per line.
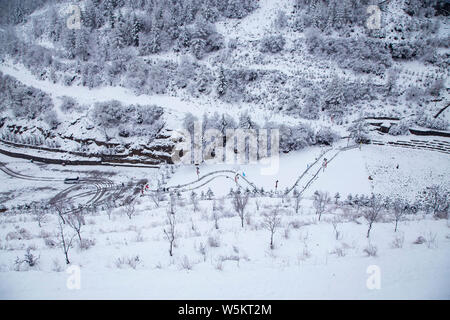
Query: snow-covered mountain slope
x=292, y=62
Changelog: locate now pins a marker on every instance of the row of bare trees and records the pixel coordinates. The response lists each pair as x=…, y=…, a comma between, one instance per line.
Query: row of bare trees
x=371, y=209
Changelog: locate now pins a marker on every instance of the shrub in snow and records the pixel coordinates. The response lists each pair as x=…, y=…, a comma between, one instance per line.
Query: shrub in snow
x=339, y=251
x=435, y=200
x=51, y=118
x=185, y=263
x=326, y=136
x=209, y=194
x=398, y=241
x=214, y=241
x=320, y=201
x=131, y=120
x=272, y=44
x=68, y=104
x=337, y=234
x=237, y=9
x=414, y=93
x=431, y=240
x=401, y=128
x=419, y=240
x=216, y=216
x=428, y=121
x=296, y=138
x=371, y=250
x=44, y=234
x=306, y=253
x=21, y=234
x=297, y=224
x=436, y=87
x=87, y=243
x=204, y=38
x=29, y=261
x=50, y=243
x=131, y=262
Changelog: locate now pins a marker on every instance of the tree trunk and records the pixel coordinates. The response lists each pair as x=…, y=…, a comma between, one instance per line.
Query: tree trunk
x=368, y=231
x=271, y=241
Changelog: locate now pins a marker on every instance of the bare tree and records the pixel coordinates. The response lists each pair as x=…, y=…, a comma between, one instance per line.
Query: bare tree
x=321, y=199
x=75, y=220
x=130, y=207
x=373, y=211
x=400, y=208
x=357, y=203
x=271, y=222
x=194, y=200
x=157, y=196
x=65, y=241
x=215, y=215
x=60, y=210
x=39, y=212
x=298, y=199
x=169, y=232
x=172, y=204
x=436, y=200
x=337, y=233
x=110, y=205
x=257, y=204
x=337, y=196
x=239, y=203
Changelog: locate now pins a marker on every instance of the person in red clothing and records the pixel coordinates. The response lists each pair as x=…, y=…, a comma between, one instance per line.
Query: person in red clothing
x=198, y=173
x=324, y=164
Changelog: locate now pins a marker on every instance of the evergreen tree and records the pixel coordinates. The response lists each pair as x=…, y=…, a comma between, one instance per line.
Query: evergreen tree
x=221, y=82
x=136, y=29
x=359, y=130
x=82, y=44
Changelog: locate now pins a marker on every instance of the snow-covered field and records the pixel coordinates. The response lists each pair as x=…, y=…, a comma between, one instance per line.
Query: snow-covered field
x=129, y=258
